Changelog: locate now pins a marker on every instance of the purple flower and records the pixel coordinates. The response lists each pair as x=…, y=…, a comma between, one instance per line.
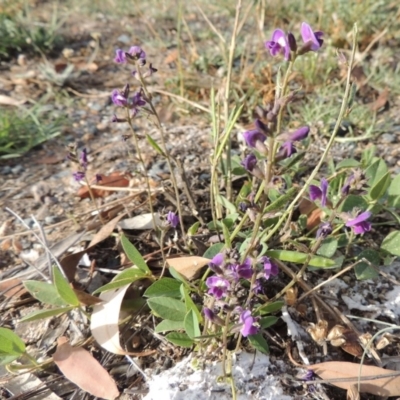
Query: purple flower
x=312, y=40
x=360, y=224
x=299, y=134
x=172, y=219
x=118, y=98
x=278, y=44
x=208, y=313
x=319, y=192
x=217, y=286
x=324, y=230
x=120, y=57
x=249, y=162
x=83, y=160
x=346, y=187
x=270, y=268
x=78, y=176
x=257, y=287
x=243, y=270
x=249, y=324
x=254, y=136
x=137, y=53
x=286, y=150
x=216, y=263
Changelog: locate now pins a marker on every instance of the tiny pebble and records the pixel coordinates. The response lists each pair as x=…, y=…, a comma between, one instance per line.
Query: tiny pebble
x=124, y=39
x=50, y=220
x=388, y=138
x=17, y=169
x=6, y=170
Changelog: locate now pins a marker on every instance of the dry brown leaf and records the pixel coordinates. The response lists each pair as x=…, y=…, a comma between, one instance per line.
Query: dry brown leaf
x=141, y=222
x=381, y=101
x=115, y=179
x=12, y=287
x=105, y=318
x=10, y=101
x=347, y=374
x=86, y=299
x=353, y=393
x=189, y=267
x=81, y=368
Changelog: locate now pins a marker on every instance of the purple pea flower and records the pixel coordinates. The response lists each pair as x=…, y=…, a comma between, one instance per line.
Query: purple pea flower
x=137, y=53
x=249, y=324
x=249, y=162
x=78, y=176
x=172, y=219
x=319, y=192
x=278, y=44
x=119, y=98
x=253, y=136
x=360, y=224
x=312, y=40
x=286, y=150
x=346, y=187
x=216, y=263
x=299, y=134
x=270, y=268
x=242, y=271
x=120, y=57
x=208, y=313
x=217, y=286
x=324, y=230
x=83, y=160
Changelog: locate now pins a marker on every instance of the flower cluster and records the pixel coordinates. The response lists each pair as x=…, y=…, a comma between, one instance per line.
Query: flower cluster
x=122, y=98
x=81, y=161
x=358, y=220
x=286, y=45
x=227, y=280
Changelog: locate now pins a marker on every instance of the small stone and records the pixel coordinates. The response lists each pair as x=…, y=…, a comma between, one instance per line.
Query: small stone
x=124, y=39
x=50, y=220
x=6, y=170
x=17, y=169
x=388, y=138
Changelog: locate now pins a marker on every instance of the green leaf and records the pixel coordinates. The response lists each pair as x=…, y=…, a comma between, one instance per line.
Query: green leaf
x=270, y=308
x=44, y=292
x=10, y=343
x=168, y=308
x=348, y=163
x=194, y=228
x=328, y=247
x=226, y=204
x=376, y=171
x=353, y=201
x=43, y=314
x=379, y=189
x=167, y=287
x=5, y=360
x=227, y=235
x=213, y=250
x=64, y=290
x=154, y=145
x=363, y=270
x=180, y=339
x=394, y=192
x=175, y=274
x=300, y=258
x=168, y=325
x=134, y=255
x=190, y=304
x=126, y=277
x=266, y=322
x=281, y=201
x=259, y=343
x=191, y=323
x=391, y=243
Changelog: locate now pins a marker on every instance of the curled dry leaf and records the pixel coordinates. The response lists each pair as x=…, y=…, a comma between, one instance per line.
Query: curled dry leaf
x=373, y=380
x=105, y=317
x=189, y=267
x=141, y=222
x=81, y=368
x=115, y=179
